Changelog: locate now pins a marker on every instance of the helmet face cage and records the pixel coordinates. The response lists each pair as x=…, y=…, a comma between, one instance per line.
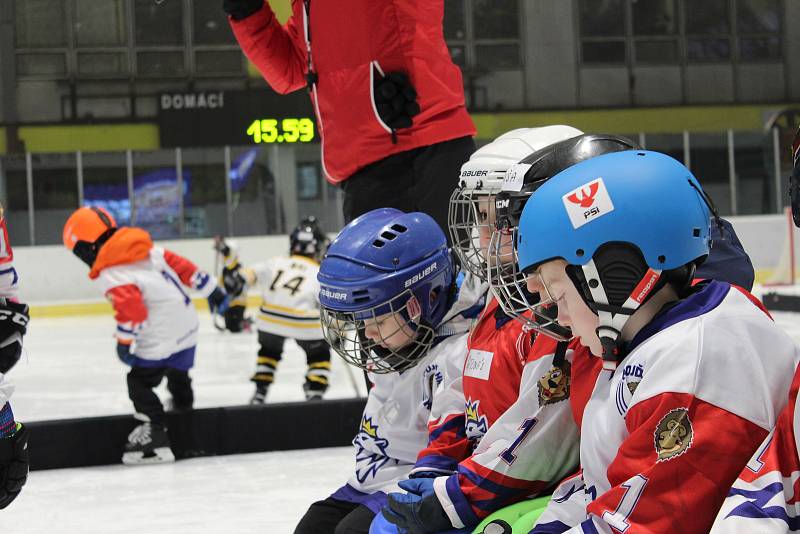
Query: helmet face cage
x=345, y=333
x=469, y=215
x=537, y=311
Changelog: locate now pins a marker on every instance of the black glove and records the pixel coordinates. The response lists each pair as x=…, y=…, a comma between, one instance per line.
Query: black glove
x=13, y=465
x=13, y=326
x=233, y=281
x=124, y=353
x=241, y=9
x=395, y=100
x=218, y=301
x=418, y=511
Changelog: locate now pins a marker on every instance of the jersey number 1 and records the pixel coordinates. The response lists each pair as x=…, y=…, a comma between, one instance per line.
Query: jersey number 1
x=527, y=425
x=634, y=487
x=292, y=285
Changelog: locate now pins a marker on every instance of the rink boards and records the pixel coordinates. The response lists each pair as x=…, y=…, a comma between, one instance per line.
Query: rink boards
x=96, y=441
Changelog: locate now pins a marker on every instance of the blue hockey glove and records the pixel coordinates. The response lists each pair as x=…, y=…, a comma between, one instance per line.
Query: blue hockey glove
x=124, y=354
x=419, y=510
x=380, y=525
x=218, y=301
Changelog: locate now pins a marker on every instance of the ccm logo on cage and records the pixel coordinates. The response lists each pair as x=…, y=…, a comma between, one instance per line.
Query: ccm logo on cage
x=420, y=275
x=335, y=295
x=587, y=203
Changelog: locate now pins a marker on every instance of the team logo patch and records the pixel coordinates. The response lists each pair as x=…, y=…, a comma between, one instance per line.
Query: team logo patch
x=632, y=386
x=673, y=434
x=370, y=447
x=587, y=203
x=477, y=425
x=554, y=385
x=432, y=378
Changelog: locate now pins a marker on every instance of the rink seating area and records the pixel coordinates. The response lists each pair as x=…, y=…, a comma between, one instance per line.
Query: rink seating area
x=95, y=441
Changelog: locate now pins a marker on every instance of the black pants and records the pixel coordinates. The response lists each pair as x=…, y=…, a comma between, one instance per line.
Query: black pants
x=142, y=381
x=421, y=179
x=332, y=516
x=270, y=353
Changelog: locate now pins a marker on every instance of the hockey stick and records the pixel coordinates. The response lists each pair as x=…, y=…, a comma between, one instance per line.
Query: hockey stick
x=352, y=379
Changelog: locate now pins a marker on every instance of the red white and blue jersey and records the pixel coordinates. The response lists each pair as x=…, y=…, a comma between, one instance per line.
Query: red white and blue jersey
x=766, y=496
x=487, y=385
x=497, y=349
x=667, y=432
x=529, y=448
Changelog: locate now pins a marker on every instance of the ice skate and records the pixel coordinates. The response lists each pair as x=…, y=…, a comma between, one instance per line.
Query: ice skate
x=312, y=393
x=259, y=397
x=148, y=443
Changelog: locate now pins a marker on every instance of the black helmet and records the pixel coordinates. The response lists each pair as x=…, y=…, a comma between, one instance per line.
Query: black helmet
x=507, y=282
x=308, y=240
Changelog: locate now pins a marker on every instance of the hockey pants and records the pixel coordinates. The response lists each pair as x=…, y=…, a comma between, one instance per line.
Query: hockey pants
x=270, y=352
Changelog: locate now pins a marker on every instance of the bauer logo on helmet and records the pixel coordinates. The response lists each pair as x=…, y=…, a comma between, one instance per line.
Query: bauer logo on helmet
x=587, y=203
x=420, y=275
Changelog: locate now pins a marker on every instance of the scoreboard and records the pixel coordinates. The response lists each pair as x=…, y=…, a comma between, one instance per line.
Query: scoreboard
x=217, y=118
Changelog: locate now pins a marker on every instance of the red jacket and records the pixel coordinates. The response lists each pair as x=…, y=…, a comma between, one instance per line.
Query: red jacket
x=351, y=42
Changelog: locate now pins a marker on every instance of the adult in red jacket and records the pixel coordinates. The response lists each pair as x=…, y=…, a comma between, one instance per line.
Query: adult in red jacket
x=389, y=100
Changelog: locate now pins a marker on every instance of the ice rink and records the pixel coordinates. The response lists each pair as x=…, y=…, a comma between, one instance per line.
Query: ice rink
x=71, y=370
x=262, y=493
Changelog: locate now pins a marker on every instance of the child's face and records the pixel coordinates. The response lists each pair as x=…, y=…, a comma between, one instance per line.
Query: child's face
x=551, y=279
x=390, y=330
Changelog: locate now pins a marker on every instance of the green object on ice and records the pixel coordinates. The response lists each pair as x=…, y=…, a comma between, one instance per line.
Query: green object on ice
x=521, y=516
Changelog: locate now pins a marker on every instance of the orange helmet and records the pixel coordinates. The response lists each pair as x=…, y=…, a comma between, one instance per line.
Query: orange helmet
x=86, y=230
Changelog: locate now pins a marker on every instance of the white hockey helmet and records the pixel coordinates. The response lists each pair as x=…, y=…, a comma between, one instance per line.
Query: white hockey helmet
x=481, y=178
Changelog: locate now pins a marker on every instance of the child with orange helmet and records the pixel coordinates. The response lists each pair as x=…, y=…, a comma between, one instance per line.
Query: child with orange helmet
x=156, y=322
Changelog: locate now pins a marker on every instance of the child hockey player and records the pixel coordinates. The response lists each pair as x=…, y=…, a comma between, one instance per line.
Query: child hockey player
x=392, y=305
x=290, y=309
x=766, y=496
x=497, y=345
x=13, y=325
x=234, y=284
x=156, y=320
x=615, y=241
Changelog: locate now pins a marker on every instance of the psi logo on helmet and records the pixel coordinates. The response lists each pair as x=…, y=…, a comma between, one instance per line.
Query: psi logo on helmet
x=587, y=203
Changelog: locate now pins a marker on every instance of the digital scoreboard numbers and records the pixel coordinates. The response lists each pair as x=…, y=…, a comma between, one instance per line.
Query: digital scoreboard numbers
x=289, y=130
x=235, y=118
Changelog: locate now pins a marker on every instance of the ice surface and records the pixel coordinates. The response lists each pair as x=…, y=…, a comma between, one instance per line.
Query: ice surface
x=263, y=493
x=70, y=369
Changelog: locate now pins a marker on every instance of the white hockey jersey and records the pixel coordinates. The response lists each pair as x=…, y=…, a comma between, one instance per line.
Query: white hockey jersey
x=290, y=297
x=150, y=296
x=394, y=426
x=664, y=435
x=8, y=289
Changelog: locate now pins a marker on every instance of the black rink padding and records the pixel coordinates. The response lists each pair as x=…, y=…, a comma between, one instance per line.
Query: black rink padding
x=205, y=432
x=778, y=302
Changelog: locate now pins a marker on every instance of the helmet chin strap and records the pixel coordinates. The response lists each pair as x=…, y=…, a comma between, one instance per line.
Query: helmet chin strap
x=613, y=318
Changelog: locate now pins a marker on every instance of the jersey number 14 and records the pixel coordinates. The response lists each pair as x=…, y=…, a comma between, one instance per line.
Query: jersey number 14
x=292, y=285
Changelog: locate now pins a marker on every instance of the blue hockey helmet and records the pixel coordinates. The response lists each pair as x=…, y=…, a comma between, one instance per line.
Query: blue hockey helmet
x=385, y=261
x=621, y=220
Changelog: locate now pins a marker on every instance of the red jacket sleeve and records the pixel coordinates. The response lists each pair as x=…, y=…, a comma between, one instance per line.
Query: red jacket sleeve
x=189, y=274
x=130, y=311
x=277, y=51
x=674, y=470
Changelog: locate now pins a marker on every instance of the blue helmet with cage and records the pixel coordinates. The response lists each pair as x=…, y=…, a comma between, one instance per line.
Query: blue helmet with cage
x=385, y=261
x=626, y=223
